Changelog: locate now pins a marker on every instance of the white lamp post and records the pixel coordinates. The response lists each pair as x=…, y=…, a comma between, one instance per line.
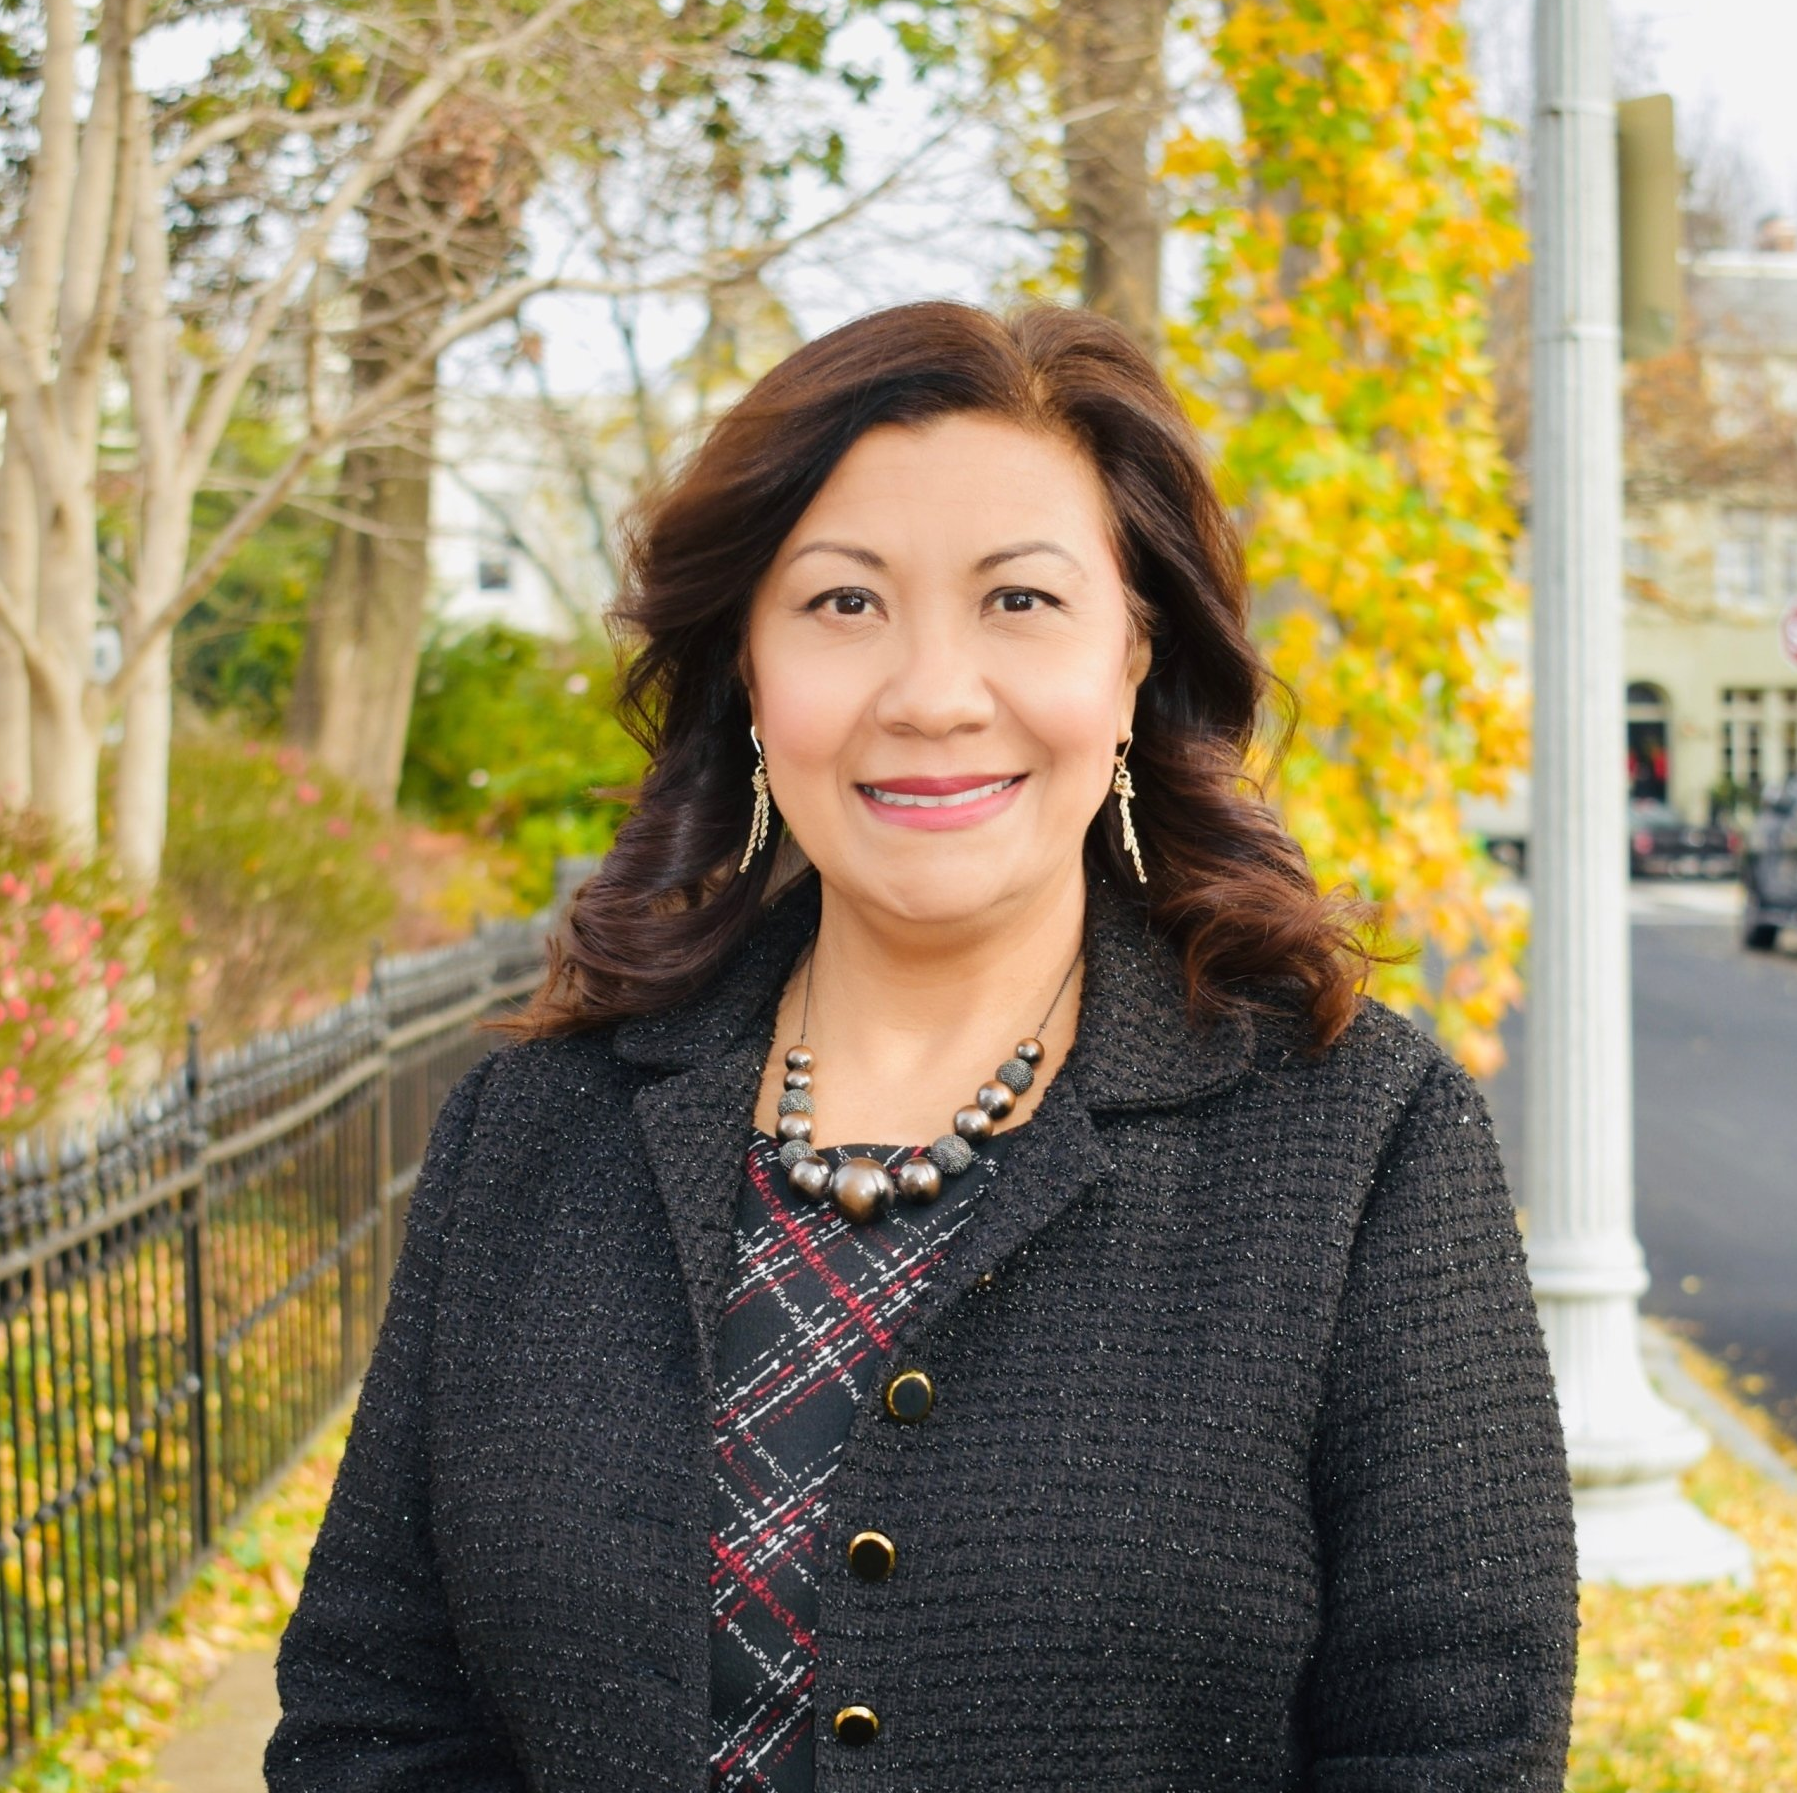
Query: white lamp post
x=1625, y=1444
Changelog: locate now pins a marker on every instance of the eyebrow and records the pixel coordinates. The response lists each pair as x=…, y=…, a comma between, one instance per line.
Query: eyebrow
x=868, y=558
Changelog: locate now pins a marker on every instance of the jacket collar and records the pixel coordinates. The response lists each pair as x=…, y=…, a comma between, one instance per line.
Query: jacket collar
x=1132, y=1049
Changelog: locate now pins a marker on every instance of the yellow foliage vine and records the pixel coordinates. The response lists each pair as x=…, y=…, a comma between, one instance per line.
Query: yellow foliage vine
x=1335, y=353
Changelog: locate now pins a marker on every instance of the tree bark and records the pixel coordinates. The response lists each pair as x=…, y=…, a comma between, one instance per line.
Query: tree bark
x=441, y=225
x=352, y=697
x=18, y=573
x=1112, y=101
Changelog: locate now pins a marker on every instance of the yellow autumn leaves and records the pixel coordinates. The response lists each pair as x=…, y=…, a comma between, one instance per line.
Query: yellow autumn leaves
x=1336, y=356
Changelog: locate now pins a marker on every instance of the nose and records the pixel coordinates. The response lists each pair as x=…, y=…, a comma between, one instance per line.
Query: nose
x=937, y=680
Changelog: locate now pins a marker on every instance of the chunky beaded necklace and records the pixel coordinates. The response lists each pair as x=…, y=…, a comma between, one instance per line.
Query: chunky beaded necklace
x=863, y=1189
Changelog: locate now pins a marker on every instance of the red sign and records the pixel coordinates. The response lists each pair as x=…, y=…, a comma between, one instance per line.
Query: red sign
x=1787, y=634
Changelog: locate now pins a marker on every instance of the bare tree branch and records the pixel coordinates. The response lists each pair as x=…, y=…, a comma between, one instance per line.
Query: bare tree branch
x=215, y=410
x=31, y=648
x=207, y=137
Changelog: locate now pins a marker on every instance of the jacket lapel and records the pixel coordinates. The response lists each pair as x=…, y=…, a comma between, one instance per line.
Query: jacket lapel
x=1133, y=1049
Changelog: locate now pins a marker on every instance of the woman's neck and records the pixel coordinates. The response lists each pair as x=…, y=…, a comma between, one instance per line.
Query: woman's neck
x=908, y=1019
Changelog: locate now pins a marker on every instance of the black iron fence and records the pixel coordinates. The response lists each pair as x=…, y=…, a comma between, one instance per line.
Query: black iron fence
x=190, y=1288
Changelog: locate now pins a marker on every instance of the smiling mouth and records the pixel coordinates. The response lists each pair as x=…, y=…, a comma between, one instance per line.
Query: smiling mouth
x=944, y=800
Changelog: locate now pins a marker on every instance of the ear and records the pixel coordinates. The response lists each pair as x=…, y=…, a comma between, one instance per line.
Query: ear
x=745, y=675
x=1140, y=658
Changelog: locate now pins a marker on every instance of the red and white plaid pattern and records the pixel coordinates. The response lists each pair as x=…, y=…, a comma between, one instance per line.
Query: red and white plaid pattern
x=811, y=1313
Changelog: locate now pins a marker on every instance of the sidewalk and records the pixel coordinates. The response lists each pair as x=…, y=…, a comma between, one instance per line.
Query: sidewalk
x=1705, y=902
x=219, y=1748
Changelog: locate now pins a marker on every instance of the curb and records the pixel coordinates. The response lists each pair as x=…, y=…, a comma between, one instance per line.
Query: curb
x=1659, y=1353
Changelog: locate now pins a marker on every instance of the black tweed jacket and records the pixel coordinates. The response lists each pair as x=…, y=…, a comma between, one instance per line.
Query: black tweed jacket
x=1244, y=1469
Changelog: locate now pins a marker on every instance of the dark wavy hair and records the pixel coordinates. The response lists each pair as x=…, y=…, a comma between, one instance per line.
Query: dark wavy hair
x=1227, y=884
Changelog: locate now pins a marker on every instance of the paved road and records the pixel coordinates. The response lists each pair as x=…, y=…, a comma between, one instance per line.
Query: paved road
x=1715, y=1130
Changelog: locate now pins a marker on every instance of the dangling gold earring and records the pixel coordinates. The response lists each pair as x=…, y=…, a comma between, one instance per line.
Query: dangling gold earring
x=1125, y=787
x=758, y=820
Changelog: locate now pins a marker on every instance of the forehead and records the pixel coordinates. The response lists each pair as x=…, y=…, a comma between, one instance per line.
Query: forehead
x=956, y=485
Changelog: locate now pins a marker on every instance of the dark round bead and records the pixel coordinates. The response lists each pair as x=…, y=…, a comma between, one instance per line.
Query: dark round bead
x=973, y=1123
x=794, y=1126
x=1030, y=1051
x=861, y=1188
x=1015, y=1075
x=918, y=1180
x=798, y=1080
x=996, y=1099
x=798, y=1058
x=797, y=1101
x=810, y=1177
x=951, y=1154
x=795, y=1149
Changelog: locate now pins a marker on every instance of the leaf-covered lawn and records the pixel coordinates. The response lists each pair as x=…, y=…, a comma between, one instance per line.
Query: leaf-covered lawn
x=1680, y=1690
x=1696, y=1688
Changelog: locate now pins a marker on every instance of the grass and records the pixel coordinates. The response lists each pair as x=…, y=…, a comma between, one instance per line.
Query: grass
x=1680, y=1690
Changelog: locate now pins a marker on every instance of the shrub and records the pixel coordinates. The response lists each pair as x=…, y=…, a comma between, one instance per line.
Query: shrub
x=77, y=1015
x=283, y=871
x=509, y=735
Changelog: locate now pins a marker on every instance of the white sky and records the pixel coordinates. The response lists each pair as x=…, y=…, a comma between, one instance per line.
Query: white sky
x=1740, y=56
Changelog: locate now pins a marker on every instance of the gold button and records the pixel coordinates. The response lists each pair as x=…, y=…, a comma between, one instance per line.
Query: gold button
x=872, y=1555
x=856, y=1725
x=909, y=1396
x=986, y=1279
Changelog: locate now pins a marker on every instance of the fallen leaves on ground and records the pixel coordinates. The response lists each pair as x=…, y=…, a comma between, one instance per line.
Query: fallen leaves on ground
x=1694, y=1689
x=240, y=1600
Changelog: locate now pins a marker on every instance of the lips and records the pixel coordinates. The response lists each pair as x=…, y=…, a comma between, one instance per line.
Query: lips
x=939, y=793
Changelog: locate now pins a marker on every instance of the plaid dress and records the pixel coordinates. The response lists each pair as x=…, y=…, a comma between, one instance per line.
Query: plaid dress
x=813, y=1305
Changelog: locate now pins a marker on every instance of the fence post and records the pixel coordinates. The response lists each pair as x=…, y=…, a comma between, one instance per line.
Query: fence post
x=199, y=1343
x=383, y=1145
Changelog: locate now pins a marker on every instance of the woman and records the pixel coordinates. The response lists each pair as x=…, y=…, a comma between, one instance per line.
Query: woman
x=759, y=1406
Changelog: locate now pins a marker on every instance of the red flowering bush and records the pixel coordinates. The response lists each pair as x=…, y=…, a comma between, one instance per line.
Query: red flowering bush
x=276, y=879
x=72, y=1012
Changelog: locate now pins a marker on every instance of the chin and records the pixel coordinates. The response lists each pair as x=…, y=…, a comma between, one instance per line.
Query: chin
x=943, y=898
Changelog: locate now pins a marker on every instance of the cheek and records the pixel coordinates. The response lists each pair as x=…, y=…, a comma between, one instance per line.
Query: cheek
x=809, y=724
x=1074, y=718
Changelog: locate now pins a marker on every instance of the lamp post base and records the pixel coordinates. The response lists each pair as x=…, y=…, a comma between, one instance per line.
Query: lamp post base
x=1644, y=1534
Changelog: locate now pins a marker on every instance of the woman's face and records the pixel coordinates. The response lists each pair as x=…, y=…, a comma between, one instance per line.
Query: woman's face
x=947, y=616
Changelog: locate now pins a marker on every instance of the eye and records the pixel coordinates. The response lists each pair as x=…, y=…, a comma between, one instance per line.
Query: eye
x=1023, y=591
x=847, y=594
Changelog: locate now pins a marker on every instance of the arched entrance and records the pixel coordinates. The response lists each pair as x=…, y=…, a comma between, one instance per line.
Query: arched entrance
x=1649, y=740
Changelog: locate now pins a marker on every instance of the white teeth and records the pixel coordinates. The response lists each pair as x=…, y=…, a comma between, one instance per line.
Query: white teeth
x=908, y=799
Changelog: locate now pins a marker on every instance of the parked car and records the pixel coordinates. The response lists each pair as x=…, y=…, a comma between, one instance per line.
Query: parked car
x=1769, y=868
x=1662, y=843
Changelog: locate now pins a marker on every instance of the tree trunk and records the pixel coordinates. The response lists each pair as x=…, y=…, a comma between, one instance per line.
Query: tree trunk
x=68, y=711
x=18, y=572
x=140, y=788
x=1112, y=102
x=352, y=698
x=440, y=226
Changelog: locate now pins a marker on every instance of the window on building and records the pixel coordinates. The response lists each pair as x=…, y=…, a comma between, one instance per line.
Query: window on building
x=1744, y=742
x=1741, y=560
x=1790, y=732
